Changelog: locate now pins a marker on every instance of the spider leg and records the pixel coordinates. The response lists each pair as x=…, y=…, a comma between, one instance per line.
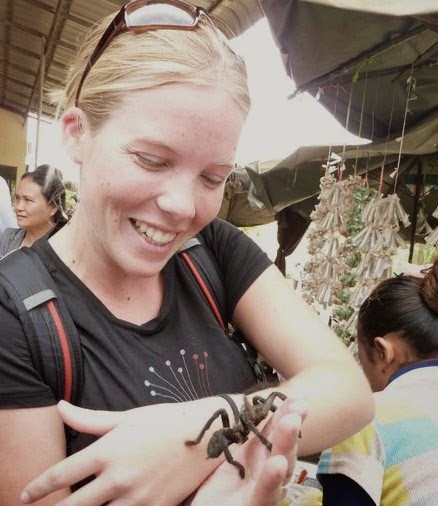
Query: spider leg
x=250, y=426
x=225, y=422
x=233, y=405
x=257, y=400
x=233, y=462
x=268, y=404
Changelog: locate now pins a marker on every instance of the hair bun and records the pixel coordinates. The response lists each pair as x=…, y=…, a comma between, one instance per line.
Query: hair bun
x=429, y=288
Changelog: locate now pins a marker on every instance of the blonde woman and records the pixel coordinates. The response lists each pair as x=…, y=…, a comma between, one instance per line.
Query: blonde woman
x=153, y=109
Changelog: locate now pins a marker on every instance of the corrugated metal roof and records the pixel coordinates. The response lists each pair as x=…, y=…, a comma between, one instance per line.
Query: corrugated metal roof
x=39, y=38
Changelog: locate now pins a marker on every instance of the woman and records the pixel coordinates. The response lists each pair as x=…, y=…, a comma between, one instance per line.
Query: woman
x=152, y=117
x=394, y=460
x=39, y=204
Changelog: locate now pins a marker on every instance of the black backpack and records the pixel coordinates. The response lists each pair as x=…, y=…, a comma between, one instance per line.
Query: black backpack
x=52, y=337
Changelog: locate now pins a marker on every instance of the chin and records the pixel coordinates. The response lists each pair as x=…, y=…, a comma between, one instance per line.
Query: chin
x=140, y=266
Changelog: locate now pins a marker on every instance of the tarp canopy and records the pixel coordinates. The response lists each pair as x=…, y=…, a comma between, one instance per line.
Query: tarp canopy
x=358, y=59
x=374, y=66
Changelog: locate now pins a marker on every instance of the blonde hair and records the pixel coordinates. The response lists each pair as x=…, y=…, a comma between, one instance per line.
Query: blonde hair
x=138, y=61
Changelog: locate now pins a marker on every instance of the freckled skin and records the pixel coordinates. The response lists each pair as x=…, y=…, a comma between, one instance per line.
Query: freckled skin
x=174, y=199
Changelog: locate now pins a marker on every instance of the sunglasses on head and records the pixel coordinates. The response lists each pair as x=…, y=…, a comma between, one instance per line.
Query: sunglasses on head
x=143, y=15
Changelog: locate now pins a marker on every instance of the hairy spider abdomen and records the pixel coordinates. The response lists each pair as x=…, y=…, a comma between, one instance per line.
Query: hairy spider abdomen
x=222, y=439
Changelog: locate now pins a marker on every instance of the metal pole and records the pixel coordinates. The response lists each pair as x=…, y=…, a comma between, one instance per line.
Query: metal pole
x=418, y=191
x=40, y=99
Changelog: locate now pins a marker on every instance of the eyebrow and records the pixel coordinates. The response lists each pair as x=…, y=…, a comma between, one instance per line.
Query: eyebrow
x=24, y=195
x=227, y=166
x=142, y=142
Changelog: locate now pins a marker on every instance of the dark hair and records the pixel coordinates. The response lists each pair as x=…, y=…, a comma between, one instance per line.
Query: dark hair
x=406, y=305
x=52, y=187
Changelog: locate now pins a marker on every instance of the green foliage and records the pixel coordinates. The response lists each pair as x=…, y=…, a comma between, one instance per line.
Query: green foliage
x=71, y=198
x=360, y=195
x=343, y=295
x=344, y=334
x=353, y=260
x=348, y=279
x=343, y=313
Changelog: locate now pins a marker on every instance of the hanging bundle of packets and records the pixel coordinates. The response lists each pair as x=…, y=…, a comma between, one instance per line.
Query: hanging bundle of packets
x=327, y=269
x=322, y=271
x=377, y=242
x=354, y=233
x=432, y=238
x=343, y=316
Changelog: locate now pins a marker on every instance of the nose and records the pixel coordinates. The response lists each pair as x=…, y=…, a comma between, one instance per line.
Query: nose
x=18, y=205
x=178, y=198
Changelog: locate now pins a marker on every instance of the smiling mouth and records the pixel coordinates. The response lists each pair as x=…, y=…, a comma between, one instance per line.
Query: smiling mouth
x=152, y=234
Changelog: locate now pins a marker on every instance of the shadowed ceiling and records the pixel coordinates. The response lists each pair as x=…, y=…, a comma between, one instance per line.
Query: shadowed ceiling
x=39, y=38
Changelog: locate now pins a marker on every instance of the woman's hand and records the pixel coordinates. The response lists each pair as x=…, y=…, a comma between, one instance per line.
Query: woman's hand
x=265, y=472
x=141, y=458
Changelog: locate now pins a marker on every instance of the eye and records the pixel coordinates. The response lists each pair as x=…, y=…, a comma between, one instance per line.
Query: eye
x=150, y=162
x=213, y=182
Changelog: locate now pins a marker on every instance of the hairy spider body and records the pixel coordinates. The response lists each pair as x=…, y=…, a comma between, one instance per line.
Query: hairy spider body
x=245, y=421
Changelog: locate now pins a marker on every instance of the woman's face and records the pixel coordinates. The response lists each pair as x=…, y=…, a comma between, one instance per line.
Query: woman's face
x=154, y=174
x=31, y=208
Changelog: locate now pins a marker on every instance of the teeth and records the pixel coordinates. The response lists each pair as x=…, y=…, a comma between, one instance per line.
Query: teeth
x=157, y=236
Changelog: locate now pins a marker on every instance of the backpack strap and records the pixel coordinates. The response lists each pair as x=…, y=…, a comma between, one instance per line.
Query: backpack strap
x=205, y=270
x=206, y=273
x=52, y=336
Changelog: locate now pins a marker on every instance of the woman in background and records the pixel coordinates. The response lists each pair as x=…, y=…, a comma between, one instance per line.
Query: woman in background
x=39, y=204
x=394, y=460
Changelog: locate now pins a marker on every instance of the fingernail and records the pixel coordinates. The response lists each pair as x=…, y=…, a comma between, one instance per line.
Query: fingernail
x=25, y=497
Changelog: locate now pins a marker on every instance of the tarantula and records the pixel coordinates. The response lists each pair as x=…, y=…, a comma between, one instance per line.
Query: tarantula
x=246, y=421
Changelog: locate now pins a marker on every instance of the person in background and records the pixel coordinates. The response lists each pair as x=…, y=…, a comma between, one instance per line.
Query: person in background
x=7, y=217
x=39, y=204
x=153, y=109
x=394, y=460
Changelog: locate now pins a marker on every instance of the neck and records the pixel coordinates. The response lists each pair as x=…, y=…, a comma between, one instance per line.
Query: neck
x=33, y=234
x=123, y=295
x=417, y=364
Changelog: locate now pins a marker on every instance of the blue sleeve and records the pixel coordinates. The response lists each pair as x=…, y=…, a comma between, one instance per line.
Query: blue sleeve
x=339, y=490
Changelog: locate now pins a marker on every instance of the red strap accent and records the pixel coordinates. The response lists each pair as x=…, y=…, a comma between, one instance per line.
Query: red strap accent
x=203, y=287
x=66, y=357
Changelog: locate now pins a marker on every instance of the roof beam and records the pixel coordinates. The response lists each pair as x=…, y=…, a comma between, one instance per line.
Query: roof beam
x=58, y=22
x=18, y=82
x=79, y=21
x=8, y=21
x=40, y=5
x=23, y=28
x=20, y=109
x=24, y=51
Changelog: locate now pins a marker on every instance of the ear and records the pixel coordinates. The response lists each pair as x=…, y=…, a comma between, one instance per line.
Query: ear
x=73, y=127
x=385, y=352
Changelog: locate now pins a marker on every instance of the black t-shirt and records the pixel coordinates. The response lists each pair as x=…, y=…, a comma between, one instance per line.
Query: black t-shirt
x=180, y=355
